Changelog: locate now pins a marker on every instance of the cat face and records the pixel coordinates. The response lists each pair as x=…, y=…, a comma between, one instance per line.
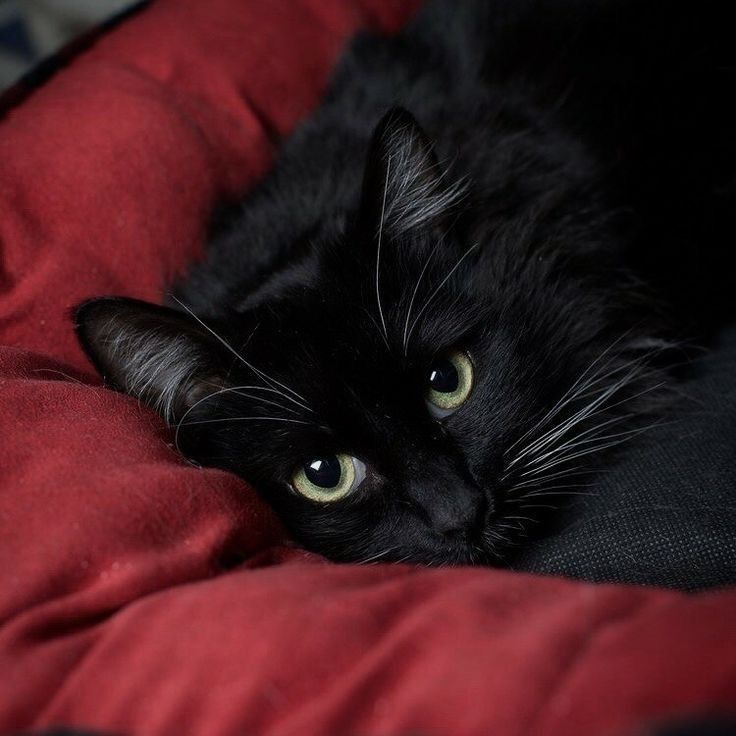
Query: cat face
x=415, y=387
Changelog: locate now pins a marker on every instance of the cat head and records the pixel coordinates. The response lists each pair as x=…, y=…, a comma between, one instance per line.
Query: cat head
x=415, y=386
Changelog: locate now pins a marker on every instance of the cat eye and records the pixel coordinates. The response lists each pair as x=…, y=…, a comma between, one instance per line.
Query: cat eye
x=328, y=478
x=450, y=381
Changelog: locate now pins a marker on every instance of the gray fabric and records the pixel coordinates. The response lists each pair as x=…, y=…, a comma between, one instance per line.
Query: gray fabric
x=665, y=514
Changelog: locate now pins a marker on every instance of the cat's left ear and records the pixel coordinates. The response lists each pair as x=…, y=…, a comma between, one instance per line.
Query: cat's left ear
x=404, y=187
x=161, y=356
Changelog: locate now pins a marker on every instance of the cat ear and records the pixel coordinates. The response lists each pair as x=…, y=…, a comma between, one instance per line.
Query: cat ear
x=159, y=355
x=404, y=187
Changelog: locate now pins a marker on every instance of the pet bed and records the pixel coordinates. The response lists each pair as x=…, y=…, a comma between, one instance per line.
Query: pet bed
x=141, y=595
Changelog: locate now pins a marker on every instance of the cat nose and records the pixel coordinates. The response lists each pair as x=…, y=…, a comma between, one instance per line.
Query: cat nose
x=456, y=519
x=452, y=507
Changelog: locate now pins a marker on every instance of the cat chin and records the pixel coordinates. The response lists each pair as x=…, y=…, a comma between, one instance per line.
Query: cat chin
x=491, y=544
x=472, y=554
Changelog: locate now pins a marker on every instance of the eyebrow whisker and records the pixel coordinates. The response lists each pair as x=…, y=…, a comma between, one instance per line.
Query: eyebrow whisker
x=243, y=419
x=378, y=249
x=269, y=380
x=414, y=293
x=441, y=284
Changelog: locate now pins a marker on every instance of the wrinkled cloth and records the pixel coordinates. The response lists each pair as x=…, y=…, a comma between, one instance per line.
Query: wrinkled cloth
x=142, y=595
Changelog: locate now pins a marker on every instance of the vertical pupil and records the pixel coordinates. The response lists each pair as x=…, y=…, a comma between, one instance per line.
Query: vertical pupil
x=324, y=472
x=443, y=377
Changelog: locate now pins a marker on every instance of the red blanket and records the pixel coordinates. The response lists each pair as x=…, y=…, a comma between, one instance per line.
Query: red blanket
x=120, y=606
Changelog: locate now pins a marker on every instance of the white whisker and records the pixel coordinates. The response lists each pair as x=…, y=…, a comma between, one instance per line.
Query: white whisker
x=522, y=518
x=378, y=248
x=568, y=473
x=377, y=556
x=243, y=419
x=618, y=403
x=263, y=376
x=436, y=291
x=571, y=393
x=573, y=456
x=545, y=506
x=555, y=491
x=414, y=293
x=578, y=438
x=378, y=327
x=587, y=411
x=229, y=389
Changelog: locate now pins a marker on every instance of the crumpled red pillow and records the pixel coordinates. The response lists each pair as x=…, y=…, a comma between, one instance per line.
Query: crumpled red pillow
x=142, y=595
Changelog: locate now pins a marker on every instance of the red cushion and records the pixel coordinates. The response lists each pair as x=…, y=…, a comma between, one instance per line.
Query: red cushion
x=115, y=609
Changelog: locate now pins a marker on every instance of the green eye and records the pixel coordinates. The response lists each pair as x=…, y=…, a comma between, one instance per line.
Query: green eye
x=328, y=478
x=450, y=380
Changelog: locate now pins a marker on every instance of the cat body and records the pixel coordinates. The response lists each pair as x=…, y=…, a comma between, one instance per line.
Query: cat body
x=428, y=324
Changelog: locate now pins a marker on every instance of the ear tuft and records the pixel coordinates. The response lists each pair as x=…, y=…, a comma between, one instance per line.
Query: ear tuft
x=156, y=354
x=404, y=187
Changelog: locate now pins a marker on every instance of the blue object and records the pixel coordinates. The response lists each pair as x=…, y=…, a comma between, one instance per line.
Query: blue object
x=15, y=39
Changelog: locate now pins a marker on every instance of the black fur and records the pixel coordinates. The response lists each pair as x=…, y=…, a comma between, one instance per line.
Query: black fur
x=564, y=151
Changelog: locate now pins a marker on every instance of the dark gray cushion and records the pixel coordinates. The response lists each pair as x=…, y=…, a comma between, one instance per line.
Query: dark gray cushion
x=666, y=512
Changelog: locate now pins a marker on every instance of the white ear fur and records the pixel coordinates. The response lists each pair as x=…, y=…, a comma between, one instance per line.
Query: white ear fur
x=157, y=369
x=416, y=189
x=152, y=353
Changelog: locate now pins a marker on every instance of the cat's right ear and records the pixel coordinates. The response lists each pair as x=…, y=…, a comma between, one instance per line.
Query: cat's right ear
x=159, y=355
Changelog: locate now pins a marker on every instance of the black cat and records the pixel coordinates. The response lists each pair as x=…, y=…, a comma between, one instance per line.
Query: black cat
x=418, y=335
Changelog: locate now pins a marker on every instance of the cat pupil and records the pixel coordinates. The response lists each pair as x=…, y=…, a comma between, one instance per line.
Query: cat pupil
x=444, y=377
x=324, y=472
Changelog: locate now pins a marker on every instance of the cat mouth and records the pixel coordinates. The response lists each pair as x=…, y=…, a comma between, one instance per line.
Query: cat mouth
x=505, y=526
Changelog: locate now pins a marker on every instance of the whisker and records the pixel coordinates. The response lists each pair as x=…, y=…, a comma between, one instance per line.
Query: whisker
x=555, y=491
x=436, y=291
x=378, y=327
x=416, y=289
x=439, y=242
x=596, y=438
x=522, y=505
x=580, y=393
x=263, y=376
x=229, y=389
x=378, y=249
x=378, y=556
x=574, y=456
x=568, y=473
x=59, y=373
x=242, y=419
x=554, y=432
x=587, y=411
x=270, y=402
x=238, y=390
x=578, y=438
x=618, y=403
x=562, y=402
x=522, y=518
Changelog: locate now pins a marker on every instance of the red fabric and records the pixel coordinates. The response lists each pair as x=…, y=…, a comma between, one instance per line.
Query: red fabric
x=115, y=610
